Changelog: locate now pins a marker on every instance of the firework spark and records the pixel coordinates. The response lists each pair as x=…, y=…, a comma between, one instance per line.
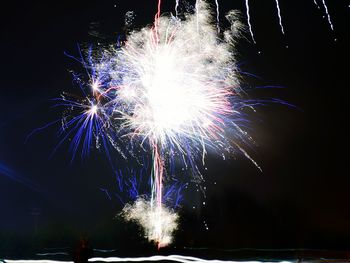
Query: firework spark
x=279, y=16
x=248, y=20
x=328, y=15
x=217, y=15
x=176, y=7
x=325, y=7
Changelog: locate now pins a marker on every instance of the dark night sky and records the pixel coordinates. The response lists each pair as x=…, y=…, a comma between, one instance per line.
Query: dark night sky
x=300, y=199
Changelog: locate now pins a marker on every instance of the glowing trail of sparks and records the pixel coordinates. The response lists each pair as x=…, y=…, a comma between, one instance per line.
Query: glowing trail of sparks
x=158, y=168
x=248, y=20
x=175, y=258
x=176, y=7
x=279, y=16
x=328, y=15
x=217, y=15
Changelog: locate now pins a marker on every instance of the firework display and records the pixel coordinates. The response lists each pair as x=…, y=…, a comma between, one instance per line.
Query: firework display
x=181, y=130
x=170, y=91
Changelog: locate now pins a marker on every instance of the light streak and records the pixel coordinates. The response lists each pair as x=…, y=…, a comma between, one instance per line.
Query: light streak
x=175, y=258
x=8, y=172
x=328, y=15
x=217, y=15
x=176, y=7
x=279, y=16
x=248, y=20
x=53, y=254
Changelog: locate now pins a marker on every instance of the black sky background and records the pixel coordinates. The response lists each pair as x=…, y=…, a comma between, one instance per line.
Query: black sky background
x=300, y=200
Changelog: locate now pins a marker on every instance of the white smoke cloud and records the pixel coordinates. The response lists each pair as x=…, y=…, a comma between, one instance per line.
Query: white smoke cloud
x=158, y=223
